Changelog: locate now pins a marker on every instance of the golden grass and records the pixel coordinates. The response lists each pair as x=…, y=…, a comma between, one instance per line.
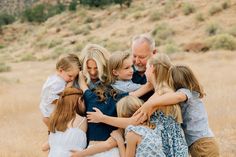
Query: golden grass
x=22, y=131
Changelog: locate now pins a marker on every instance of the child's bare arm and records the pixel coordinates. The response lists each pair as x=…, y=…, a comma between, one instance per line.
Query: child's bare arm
x=132, y=141
x=82, y=83
x=117, y=135
x=98, y=116
x=156, y=100
x=96, y=148
x=143, y=90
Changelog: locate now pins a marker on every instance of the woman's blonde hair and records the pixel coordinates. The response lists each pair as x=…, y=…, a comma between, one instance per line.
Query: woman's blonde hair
x=161, y=64
x=100, y=55
x=115, y=63
x=69, y=103
x=68, y=61
x=183, y=77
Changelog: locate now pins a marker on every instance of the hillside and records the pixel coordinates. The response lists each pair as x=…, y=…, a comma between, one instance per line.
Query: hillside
x=28, y=52
x=114, y=28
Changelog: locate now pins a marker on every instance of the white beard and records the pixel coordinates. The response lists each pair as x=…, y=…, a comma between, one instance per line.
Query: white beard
x=140, y=69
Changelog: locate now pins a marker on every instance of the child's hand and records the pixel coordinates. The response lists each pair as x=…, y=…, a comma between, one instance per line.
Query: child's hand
x=82, y=82
x=45, y=147
x=75, y=153
x=143, y=113
x=95, y=117
x=117, y=135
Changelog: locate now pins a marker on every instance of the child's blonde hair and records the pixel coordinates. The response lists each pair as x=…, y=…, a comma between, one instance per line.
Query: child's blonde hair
x=100, y=55
x=69, y=103
x=161, y=64
x=68, y=61
x=115, y=63
x=128, y=105
x=183, y=77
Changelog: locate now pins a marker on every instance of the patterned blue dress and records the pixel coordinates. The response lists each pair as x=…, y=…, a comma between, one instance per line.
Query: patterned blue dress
x=173, y=140
x=151, y=144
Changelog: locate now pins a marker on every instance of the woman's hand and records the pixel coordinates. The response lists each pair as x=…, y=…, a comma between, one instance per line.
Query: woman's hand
x=95, y=117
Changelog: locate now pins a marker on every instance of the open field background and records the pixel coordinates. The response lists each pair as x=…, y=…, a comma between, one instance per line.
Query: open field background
x=22, y=131
x=28, y=52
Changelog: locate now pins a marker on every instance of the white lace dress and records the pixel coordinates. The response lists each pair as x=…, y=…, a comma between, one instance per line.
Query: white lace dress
x=62, y=142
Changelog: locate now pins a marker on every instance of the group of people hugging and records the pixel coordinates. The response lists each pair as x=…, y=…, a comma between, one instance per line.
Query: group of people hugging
x=125, y=104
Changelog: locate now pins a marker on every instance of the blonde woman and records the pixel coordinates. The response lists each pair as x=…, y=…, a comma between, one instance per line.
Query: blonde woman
x=98, y=93
x=94, y=58
x=168, y=117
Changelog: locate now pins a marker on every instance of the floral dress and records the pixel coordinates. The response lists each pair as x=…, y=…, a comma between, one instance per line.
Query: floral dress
x=173, y=140
x=151, y=144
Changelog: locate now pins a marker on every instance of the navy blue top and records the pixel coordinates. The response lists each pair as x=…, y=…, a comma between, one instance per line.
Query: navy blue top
x=101, y=131
x=141, y=79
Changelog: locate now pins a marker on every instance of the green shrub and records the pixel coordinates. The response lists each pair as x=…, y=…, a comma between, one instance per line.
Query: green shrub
x=169, y=5
x=225, y=4
x=162, y=32
x=96, y=3
x=73, y=5
x=232, y=31
x=188, y=8
x=100, y=3
x=28, y=57
x=199, y=17
x=214, y=9
x=2, y=46
x=155, y=16
x=212, y=29
x=137, y=15
x=4, y=67
x=36, y=14
x=6, y=19
x=123, y=2
x=222, y=41
x=88, y=20
x=171, y=48
x=55, y=42
x=42, y=12
x=57, y=52
x=53, y=10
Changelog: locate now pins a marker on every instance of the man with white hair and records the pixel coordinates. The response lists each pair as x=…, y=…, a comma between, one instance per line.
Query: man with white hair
x=143, y=47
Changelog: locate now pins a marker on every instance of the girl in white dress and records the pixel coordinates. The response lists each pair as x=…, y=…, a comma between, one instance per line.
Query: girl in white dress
x=67, y=125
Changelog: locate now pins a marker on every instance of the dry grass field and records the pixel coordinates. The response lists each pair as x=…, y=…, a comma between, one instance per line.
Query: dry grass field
x=30, y=50
x=22, y=131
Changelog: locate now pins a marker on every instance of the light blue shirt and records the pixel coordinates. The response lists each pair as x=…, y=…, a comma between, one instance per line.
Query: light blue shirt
x=195, y=120
x=125, y=86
